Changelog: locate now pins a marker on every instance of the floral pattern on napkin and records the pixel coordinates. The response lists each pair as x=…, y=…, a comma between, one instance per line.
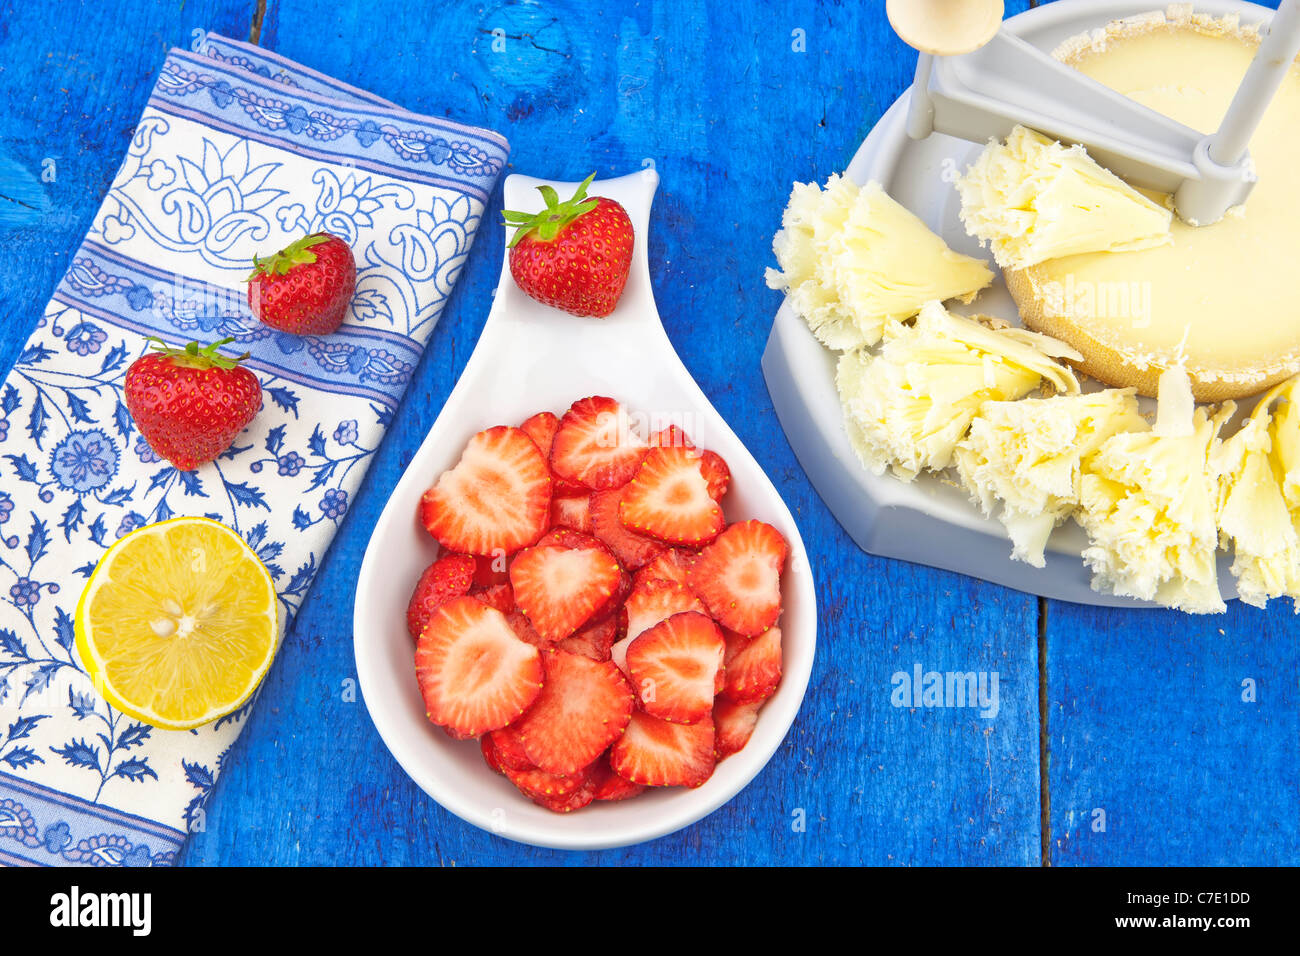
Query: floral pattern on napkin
x=238, y=153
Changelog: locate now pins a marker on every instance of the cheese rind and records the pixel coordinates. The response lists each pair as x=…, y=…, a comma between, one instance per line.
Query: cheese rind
x=853, y=261
x=1221, y=298
x=1032, y=199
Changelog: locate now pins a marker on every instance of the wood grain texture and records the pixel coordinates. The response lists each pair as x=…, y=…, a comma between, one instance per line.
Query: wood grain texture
x=731, y=110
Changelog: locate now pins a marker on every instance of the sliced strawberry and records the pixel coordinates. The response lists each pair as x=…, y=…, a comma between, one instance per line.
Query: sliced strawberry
x=753, y=666
x=538, y=784
x=571, y=538
x=574, y=801
x=676, y=666
x=595, y=446
x=617, y=598
x=583, y=708
x=560, y=587
x=631, y=549
x=658, y=753
x=653, y=600
x=524, y=629
x=669, y=499
x=716, y=473
x=733, y=725
x=449, y=577
x=491, y=569
x=609, y=785
x=671, y=437
x=474, y=673
x=541, y=429
x=618, y=654
x=572, y=513
x=508, y=750
x=671, y=564
x=499, y=596
x=594, y=640
x=497, y=497
x=490, y=753
x=738, y=577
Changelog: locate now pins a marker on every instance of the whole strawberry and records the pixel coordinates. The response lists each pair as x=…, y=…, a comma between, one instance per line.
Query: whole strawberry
x=306, y=287
x=190, y=403
x=574, y=255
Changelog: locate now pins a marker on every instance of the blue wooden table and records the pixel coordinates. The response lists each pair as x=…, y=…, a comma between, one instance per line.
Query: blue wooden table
x=1121, y=737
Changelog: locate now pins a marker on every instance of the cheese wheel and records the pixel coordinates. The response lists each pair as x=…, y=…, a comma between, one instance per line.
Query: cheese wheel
x=1222, y=297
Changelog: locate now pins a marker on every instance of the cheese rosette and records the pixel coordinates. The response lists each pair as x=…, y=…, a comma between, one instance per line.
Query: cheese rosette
x=1032, y=199
x=1254, y=513
x=1028, y=456
x=908, y=406
x=853, y=262
x=1148, y=502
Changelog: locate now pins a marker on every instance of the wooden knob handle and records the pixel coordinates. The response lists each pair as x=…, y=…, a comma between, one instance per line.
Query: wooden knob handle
x=945, y=27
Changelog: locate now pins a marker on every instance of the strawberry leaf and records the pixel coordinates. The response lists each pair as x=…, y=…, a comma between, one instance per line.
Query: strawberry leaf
x=546, y=225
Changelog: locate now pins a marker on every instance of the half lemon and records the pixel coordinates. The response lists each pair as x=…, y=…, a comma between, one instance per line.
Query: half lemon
x=179, y=623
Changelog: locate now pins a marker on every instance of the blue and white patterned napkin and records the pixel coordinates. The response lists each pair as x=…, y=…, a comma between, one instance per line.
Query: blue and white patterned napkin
x=238, y=152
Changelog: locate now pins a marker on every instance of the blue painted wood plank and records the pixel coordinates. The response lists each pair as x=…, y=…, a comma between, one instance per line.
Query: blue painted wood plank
x=1173, y=739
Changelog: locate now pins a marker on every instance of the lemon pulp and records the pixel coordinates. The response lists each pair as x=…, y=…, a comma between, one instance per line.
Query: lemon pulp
x=178, y=623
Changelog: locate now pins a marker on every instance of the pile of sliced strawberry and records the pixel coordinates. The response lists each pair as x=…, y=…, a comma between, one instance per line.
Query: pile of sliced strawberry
x=591, y=617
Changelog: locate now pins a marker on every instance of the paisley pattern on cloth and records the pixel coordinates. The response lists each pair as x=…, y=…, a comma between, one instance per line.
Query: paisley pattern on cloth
x=238, y=152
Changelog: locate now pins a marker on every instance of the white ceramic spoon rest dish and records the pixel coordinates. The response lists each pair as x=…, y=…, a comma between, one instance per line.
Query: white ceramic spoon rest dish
x=532, y=358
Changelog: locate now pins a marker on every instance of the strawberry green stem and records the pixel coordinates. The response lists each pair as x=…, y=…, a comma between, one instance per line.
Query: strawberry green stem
x=194, y=356
x=548, y=223
x=297, y=253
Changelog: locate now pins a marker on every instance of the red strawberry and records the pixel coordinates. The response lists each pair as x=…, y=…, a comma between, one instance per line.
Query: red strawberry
x=305, y=288
x=507, y=749
x=496, y=498
x=576, y=800
x=539, y=785
x=583, y=708
x=561, y=587
x=609, y=785
x=594, y=640
x=733, y=725
x=671, y=437
x=738, y=576
x=574, y=255
x=449, y=577
x=753, y=666
x=490, y=753
x=491, y=569
x=190, y=403
x=669, y=499
x=676, y=667
x=652, y=601
x=671, y=564
x=562, y=537
x=632, y=550
x=572, y=513
x=499, y=596
x=716, y=473
x=657, y=753
x=595, y=445
x=474, y=673
x=524, y=629
x=541, y=429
